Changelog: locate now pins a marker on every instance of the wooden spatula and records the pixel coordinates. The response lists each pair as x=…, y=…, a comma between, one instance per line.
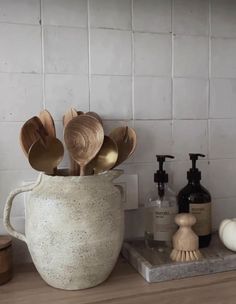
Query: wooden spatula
x=125, y=139
x=30, y=133
x=48, y=122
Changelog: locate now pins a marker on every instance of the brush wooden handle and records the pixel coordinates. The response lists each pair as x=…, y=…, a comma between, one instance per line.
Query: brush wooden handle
x=185, y=239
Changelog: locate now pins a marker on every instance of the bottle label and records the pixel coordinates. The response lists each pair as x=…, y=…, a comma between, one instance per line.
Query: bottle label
x=202, y=212
x=160, y=222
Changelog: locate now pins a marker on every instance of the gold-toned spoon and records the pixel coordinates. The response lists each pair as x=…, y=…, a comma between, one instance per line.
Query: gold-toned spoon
x=106, y=157
x=48, y=122
x=125, y=139
x=30, y=133
x=46, y=154
x=83, y=137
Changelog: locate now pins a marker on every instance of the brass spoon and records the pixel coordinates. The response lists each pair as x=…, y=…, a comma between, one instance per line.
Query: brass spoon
x=125, y=139
x=46, y=154
x=106, y=157
x=48, y=122
x=83, y=137
x=30, y=133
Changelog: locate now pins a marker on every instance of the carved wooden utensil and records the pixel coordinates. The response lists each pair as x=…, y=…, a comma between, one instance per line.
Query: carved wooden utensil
x=46, y=154
x=48, y=122
x=30, y=133
x=83, y=137
x=70, y=114
x=106, y=157
x=95, y=115
x=125, y=139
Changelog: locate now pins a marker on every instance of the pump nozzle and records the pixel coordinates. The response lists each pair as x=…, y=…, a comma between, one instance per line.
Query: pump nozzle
x=161, y=176
x=194, y=174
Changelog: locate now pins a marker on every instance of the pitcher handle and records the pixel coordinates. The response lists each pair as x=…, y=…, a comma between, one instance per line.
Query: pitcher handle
x=8, y=206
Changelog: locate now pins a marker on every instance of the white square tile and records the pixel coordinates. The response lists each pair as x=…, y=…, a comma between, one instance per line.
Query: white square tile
x=222, y=178
x=191, y=17
x=66, y=50
x=11, y=155
x=65, y=12
x=115, y=14
x=152, y=98
x=22, y=95
x=191, y=56
x=222, y=138
x=152, y=16
x=111, y=96
x=110, y=52
x=190, y=98
x=189, y=136
x=223, y=18
x=222, y=98
x=222, y=208
x=20, y=49
x=153, y=137
x=152, y=54
x=223, y=57
x=24, y=11
x=65, y=91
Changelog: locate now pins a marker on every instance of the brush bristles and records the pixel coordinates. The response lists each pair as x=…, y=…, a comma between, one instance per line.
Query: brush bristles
x=185, y=256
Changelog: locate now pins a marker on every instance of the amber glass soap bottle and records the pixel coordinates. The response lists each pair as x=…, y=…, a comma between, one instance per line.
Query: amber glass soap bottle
x=194, y=198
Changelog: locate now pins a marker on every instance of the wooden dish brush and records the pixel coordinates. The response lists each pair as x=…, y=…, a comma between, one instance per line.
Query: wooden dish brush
x=185, y=241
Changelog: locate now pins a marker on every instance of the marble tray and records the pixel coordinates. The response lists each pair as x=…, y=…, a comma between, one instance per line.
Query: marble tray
x=157, y=267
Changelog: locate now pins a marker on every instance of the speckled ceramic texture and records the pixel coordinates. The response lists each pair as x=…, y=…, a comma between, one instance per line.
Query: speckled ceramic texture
x=74, y=229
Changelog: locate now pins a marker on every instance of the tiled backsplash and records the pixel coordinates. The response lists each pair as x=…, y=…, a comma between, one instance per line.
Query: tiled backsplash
x=167, y=68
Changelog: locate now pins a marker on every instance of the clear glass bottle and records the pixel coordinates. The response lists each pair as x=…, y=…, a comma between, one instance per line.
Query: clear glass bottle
x=160, y=211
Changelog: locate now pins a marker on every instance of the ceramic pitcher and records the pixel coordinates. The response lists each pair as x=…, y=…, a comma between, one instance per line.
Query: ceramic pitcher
x=74, y=228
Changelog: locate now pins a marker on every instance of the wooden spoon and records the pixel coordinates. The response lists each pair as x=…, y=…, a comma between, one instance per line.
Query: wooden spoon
x=46, y=155
x=30, y=133
x=125, y=139
x=106, y=157
x=71, y=113
x=95, y=115
x=83, y=137
x=48, y=122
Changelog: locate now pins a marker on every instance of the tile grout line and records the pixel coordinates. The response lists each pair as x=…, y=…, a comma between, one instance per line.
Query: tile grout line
x=42, y=55
x=172, y=78
x=209, y=78
x=132, y=62
x=89, y=55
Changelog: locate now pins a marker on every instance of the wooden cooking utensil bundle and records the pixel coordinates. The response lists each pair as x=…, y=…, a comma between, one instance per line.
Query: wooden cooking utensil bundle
x=91, y=151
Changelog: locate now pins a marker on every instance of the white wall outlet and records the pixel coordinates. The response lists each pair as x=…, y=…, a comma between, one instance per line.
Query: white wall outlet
x=128, y=184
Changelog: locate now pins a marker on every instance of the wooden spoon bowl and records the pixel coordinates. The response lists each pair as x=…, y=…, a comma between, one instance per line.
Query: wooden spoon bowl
x=125, y=139
x=83, y=137
x=48, y=122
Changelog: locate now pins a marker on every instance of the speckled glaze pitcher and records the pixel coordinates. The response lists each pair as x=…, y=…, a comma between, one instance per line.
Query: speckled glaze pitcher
x=74, y=228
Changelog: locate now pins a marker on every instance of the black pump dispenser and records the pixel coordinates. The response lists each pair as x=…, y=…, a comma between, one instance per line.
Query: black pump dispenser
x=161, y=177
x=196, y=199
x=194, y=175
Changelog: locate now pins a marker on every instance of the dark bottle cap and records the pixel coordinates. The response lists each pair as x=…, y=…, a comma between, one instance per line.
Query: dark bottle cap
x=194, y=175
x=161, y=176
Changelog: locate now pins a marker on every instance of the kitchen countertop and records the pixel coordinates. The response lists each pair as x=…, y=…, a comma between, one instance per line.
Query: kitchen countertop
x=124, y=285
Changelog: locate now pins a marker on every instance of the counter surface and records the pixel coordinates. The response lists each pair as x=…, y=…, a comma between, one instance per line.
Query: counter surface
x=124, y=285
